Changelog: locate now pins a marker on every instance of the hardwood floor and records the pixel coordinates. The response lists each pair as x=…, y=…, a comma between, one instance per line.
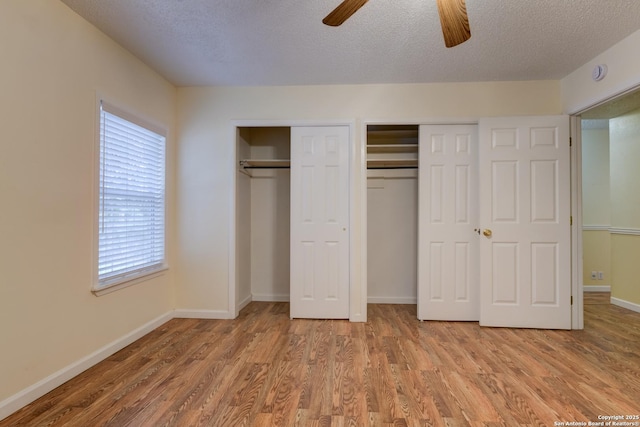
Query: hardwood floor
x=264, y=369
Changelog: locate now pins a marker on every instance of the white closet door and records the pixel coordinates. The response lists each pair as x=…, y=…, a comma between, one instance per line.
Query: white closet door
x=448, y=282
x=525, y=209
x=319, y=219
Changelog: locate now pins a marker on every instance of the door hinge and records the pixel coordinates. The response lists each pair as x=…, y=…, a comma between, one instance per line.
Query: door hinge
x=571, y=299
x=571, y=220
x=570, y=142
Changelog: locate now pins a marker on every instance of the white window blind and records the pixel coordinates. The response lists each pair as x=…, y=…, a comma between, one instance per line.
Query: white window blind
x=131, y=229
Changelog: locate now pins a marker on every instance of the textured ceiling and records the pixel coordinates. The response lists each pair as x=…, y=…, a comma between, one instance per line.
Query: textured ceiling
x=283, y=42
x=615, y=107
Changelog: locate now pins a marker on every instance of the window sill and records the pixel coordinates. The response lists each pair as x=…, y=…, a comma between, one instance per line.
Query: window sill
x=125, y=283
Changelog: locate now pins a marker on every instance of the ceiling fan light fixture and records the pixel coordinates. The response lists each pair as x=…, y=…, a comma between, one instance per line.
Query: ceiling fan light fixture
x=453, y=18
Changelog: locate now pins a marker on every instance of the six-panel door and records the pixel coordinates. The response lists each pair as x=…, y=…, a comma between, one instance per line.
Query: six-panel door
x=448, y=280
x=319, y=220
x=525, y=260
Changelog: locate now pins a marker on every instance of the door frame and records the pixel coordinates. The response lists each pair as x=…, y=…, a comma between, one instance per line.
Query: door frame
x=577, y=290
x=234, y=305
x=576, y=192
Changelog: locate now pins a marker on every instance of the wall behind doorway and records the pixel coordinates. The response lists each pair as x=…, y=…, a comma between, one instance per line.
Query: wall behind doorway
x=596, y=204
x=625, y=208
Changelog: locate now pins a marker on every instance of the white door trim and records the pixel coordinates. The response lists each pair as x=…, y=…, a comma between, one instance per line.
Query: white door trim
x=577, y=286
x=576, y=191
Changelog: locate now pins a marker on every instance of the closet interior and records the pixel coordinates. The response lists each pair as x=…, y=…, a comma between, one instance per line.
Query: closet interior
x=263, y=213
x=392, y=213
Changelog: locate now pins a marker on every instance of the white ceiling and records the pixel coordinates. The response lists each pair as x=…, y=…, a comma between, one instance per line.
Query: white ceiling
x=283, y=42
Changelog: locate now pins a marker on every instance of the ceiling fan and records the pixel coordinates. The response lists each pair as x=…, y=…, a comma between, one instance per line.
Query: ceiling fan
x=453, y=18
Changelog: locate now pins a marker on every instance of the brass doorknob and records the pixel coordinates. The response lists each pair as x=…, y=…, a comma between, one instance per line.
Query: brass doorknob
x=486, y=232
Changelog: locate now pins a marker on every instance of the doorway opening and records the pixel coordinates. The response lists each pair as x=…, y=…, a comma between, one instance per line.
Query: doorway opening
x=611, y=217
x=392, y=213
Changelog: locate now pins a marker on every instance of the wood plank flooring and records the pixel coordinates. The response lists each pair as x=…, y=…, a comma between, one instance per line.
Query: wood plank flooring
x=264, y=369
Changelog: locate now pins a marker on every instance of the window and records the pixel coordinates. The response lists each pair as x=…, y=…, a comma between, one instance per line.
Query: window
x=131, y=211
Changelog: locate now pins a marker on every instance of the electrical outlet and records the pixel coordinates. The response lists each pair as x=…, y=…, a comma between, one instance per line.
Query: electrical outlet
x=594, y=275
x=600, y=275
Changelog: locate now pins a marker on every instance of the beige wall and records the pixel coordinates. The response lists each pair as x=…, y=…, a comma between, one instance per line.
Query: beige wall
x=243, y=220
x=625, y=206
x=625, y=286
x=596, y=206
x=207, y=147
x=53, y=63
x=596, y=256
x=580, y=91
x=625, y=173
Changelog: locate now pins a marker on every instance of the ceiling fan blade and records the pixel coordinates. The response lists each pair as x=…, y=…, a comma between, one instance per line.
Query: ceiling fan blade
x=454, y=21
x=343, y=12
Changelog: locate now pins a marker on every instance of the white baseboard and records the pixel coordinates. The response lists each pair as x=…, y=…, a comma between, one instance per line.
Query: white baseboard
x=370, y=300
x=596, y=288
x=270, y=297
x=245, y=302
x=203, y=314
x=392, y=300
x=44, y=386
x=626, y=304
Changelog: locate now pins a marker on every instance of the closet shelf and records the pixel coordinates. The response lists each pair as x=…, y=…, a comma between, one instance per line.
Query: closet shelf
x=392, y=148
x=406, y=132
x=392, y=164
x=265, y=163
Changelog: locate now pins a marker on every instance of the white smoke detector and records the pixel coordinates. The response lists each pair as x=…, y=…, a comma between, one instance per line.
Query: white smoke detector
x=598, y=73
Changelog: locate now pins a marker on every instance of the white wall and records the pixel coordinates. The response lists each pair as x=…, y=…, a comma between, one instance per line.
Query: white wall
x=207, y=145
x=392, y=236
x=270, y=216
x=53, y=63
